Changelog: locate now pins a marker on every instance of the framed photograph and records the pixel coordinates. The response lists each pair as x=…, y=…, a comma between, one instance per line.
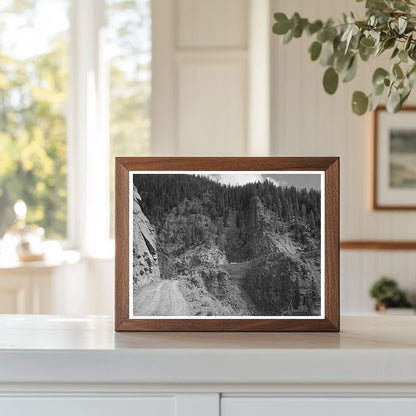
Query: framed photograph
x=227, y=244
x=394, y=159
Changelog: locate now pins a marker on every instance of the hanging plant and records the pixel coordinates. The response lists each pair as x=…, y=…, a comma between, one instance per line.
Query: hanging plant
x=389, y=27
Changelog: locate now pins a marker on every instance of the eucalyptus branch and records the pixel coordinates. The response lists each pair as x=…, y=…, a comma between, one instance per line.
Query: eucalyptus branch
x=389, y=25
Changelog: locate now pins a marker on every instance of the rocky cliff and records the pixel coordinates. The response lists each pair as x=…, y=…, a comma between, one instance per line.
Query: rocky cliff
x=145, y=257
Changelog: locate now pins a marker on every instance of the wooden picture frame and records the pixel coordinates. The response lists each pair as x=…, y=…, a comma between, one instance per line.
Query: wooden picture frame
x=133, y=173
x=394, y=184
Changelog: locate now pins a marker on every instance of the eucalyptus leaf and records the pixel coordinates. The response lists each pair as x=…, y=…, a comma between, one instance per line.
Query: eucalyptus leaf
x=412, y=70
x=393, y=101
x=298, y=30
x=281, y=27
x=389, y=43
x=400, y=5
x=366, y=53
x=367, y=42
x=351, y=72
x=330, y=81
x=403, y=56
x=378, y=89
x=359, y=103
x=355, y=41
x=404, y=96
x=395, y=52
x=322, y=35
x=314, y=27
x=341, y=62
x=408, y=42
x=376, y=4
x=412, y=52
x=397, y=71
x=294, y=20
x=374, y=102
x=350, y=18
x=379, y=75
x=411, y=78
x=327, y=53
x=351, y=32
x=402, y=22
x=315, y=50
x=346, y=34
x=288, y=37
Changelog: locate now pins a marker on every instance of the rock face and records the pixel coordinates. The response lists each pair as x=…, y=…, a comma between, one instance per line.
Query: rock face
x=189, y=239
x=217, y=281
x=145, y=258
x=278, y=283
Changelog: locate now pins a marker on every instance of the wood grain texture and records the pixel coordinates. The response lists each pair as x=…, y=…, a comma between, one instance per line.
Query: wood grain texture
x=332, y=226
x=378, y=245
x=330, y=165
x=376, y=205
x=121, y=244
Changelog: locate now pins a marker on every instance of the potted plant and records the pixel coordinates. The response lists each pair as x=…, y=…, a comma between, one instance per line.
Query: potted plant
x=387, y=294
x=389, y=27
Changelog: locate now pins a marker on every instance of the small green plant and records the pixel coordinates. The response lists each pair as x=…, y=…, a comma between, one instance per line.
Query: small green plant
x=389, y=26
x=387, y=293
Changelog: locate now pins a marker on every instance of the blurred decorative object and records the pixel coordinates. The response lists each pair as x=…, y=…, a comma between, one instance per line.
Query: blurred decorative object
x=394, y=179
x=387, y=294
x=26, y=241
x=388, y=26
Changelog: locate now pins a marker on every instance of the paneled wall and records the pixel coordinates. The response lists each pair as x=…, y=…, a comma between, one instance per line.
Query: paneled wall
x=201, y=77
x=308, y=122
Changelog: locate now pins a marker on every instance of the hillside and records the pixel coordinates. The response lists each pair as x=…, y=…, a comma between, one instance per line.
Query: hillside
x=233, y=250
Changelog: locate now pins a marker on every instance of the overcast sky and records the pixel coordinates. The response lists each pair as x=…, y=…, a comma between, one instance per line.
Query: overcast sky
x=300, y=180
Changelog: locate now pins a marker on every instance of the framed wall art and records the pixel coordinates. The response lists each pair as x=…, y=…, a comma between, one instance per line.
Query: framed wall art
x=394, y=178
x=227, y=244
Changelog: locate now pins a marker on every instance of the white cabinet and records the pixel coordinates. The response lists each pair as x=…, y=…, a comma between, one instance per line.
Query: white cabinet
x=88, y=406
x=270, y=406
x=202, y=405
x=79, y=366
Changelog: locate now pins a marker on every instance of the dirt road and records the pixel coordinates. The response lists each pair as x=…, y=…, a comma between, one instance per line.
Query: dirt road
x=161, y=298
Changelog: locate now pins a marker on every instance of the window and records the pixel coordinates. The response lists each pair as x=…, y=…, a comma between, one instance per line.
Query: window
x=129, y=43
x=75, y=87
x=33, y=98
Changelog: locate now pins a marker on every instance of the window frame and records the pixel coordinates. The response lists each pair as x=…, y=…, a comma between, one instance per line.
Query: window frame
x=88, y=133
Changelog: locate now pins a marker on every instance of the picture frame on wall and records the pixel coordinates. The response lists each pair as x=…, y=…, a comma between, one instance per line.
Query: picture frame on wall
x=394, y=152
x=227, y=244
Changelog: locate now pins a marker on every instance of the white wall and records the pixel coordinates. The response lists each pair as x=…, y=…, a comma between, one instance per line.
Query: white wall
x=203, y=84
x=308, y=122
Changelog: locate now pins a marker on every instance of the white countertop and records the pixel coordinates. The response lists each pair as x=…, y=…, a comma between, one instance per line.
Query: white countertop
x=52, y=349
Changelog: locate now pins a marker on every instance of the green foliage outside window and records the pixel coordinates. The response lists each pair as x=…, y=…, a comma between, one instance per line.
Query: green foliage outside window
x=33, y=99
x=34, y=103
x=129, y=37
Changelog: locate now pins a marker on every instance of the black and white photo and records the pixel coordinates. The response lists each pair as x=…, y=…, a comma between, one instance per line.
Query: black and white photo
x=226, y=244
